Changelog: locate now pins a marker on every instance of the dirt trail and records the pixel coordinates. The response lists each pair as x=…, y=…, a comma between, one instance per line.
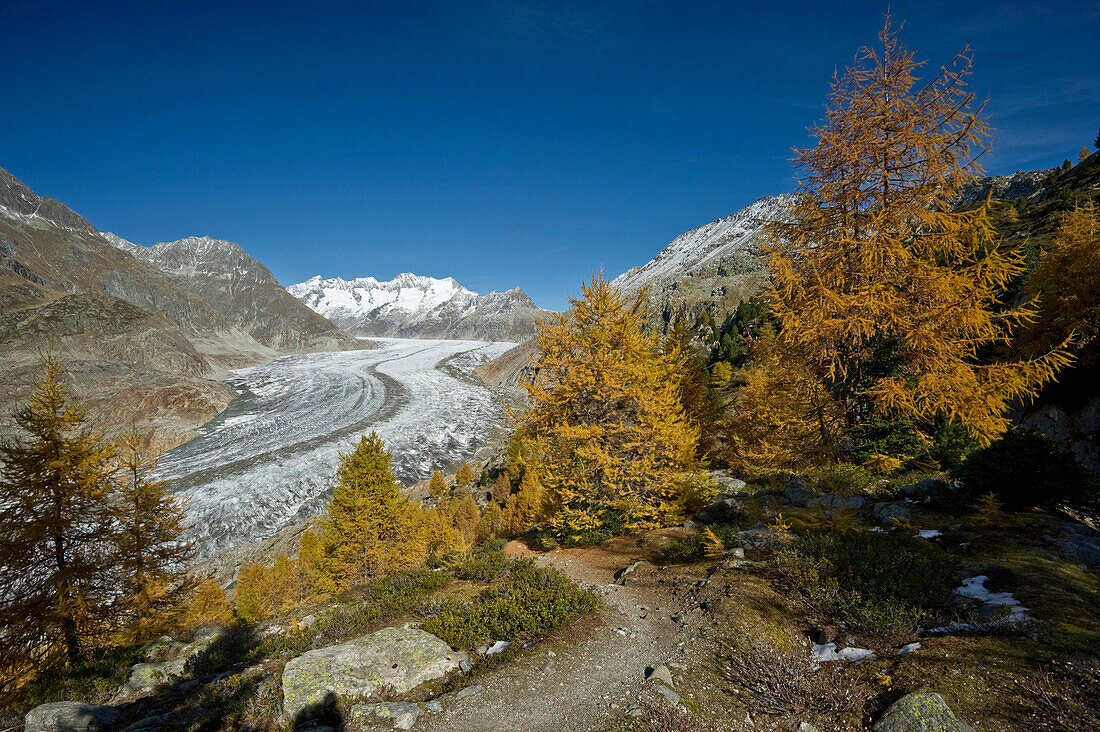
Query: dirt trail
x=586, y=678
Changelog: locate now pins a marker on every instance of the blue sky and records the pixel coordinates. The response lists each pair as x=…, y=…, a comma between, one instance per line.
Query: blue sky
x=511, y=142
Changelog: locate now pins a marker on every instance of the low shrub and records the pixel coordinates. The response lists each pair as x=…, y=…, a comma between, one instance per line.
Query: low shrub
x=93, y=680
x=1026, y=468
x=843, y=478
x=485, y=564
x=663, y=717
x=1064, y=697
x=531, y=602
x=693, y=548
x=891, y=584
x=366, y=609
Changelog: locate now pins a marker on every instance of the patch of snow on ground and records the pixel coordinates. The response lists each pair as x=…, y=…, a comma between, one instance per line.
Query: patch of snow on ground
x=908, y=648
x=498, y=647
x=270, y=458
x=826, y=652
x=974, y=588
x=928, y=533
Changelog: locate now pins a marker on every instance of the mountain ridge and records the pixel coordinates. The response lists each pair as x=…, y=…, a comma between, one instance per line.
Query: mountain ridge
x=418, y=306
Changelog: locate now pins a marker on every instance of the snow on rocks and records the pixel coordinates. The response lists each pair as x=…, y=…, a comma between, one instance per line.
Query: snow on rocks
x=929, y=533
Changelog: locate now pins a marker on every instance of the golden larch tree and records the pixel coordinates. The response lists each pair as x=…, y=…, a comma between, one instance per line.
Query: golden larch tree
x=1067, y=280
x=57, y=581
x=876, y=257
x=783, y=419
x=372, y=527
x=464, y=476
x=610, y=435
x=437, y=486
x=150, y=544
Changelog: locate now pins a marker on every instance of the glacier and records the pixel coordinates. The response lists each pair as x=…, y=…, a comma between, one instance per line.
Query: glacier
x=269, y=459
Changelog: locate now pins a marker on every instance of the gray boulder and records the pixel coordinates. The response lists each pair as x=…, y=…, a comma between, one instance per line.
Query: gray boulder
x=799, y=492
x=145, y=676
x=162, y=648
x=727, y=483
x=920, y=713
x=670, y=696
x=886, y=513
x=835, y=501
x=1081, y=544
x=396, y=660
x=927, y=488
x=469, y=691
x=70, y=717
x=402, y=715
x=726, y=509
x=660, y=675
x=760, y=536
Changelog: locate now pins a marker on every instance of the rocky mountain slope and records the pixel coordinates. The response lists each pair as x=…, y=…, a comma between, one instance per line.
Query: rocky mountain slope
x=413, y=306
x=243, y=290
x=710, y=268
x=141, y=345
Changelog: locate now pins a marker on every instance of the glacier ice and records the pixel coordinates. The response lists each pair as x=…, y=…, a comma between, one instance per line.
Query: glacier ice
x=270, y=458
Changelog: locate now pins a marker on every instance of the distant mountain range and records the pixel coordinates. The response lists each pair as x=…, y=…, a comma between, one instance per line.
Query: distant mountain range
x=414, y=306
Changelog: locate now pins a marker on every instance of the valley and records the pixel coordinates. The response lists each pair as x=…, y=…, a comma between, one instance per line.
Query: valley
x=269, y=458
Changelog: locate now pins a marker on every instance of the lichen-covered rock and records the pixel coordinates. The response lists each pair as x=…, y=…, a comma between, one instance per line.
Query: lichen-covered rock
x=726, y=509
x=920, y=713
x=889, y=514
x=160, y=649
x=760, y=536
x=145, y=676
x=402, y=715
x=396, y=660
x=70, y=717
x=799, y=492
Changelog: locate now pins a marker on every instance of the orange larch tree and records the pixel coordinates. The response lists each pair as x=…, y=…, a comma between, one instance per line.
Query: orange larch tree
x=876, y=258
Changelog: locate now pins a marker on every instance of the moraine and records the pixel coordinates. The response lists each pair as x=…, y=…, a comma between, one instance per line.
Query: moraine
x=270, y=458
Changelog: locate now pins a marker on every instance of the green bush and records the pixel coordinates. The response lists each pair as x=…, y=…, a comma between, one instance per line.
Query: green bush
x=890, y=584
x=843, y=478
x=94, y=680
x=365, y=610
x=531, y=602
x=485, y=564
x=694, y=548
x=1026, y=468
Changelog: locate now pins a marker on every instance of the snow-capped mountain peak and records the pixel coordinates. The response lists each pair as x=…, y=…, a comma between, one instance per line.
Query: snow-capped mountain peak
x=418, y=306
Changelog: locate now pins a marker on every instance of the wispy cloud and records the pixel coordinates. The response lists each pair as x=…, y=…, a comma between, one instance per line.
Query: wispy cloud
x=549, y=26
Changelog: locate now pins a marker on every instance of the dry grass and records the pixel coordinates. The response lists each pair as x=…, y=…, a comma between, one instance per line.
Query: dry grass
x=667, y=718
x=1065, y=698
x=775, y=670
